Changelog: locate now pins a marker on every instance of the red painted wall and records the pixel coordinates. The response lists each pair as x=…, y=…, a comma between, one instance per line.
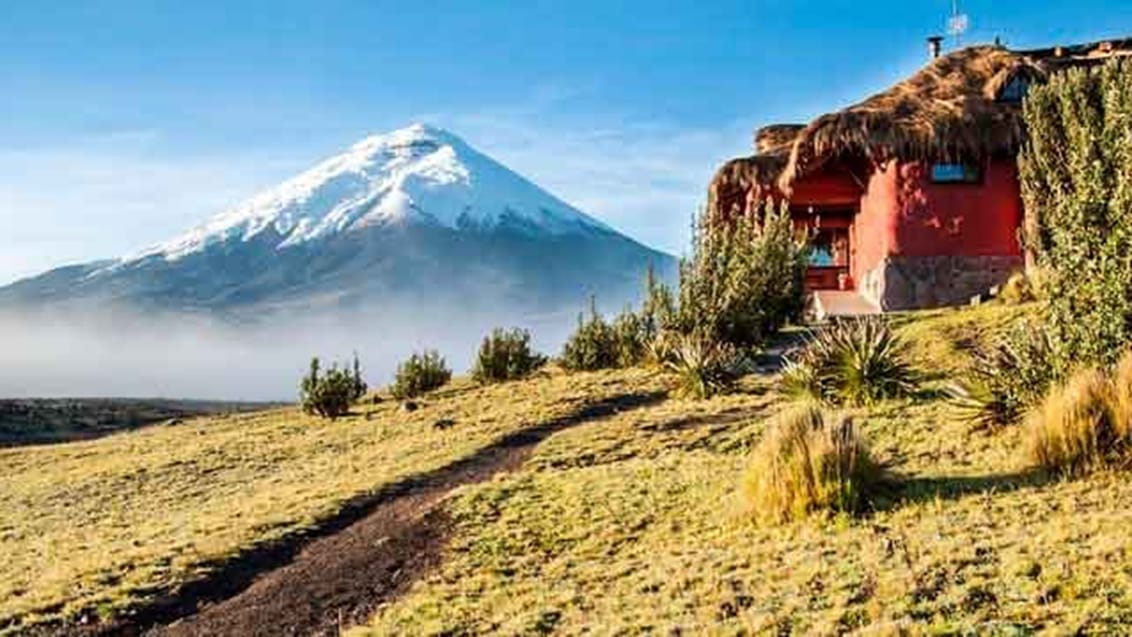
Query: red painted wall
x=874, y=229
x=957, y=219
x=902, y=213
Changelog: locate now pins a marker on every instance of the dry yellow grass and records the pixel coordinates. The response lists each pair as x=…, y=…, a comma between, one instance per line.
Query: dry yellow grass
x=633, y=525
x=624, y=525
x=105, y=524
x=1084, y=424
x=617, y=528
x=808, y=461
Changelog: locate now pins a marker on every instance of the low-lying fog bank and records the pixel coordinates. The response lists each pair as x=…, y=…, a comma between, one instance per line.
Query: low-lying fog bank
x=76, y=354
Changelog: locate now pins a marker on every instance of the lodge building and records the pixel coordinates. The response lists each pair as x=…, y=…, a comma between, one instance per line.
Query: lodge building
x=911, y=197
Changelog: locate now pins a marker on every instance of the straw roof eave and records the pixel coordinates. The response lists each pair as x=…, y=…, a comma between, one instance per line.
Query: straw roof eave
x=950, y=110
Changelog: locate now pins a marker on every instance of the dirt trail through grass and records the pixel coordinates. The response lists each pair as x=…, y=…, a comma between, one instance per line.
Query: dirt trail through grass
x=338, y=574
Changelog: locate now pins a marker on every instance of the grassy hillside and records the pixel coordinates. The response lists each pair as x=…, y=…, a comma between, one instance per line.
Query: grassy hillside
x=635, y=525
x=627, y=523
x=96, y=527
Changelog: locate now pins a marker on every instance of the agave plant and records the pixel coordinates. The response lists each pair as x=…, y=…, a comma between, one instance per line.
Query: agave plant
x=704, y=366
x=1008, y=376
x=856, y=362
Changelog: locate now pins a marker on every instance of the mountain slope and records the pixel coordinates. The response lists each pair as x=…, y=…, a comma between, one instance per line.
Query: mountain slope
x=416, y=216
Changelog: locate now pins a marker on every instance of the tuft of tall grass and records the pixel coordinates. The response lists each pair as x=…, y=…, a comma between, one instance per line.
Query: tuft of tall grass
x=1018, y=289
x=856, y=362
x=1084, y=424
x=809, y=462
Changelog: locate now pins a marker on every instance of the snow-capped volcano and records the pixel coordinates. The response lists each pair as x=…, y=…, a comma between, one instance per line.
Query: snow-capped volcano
x=418, y=172
x=410, y=218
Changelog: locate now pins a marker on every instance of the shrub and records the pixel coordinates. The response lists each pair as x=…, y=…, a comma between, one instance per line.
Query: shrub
x=418, y=374
x=631, y=339
x=592, y=346
x=744, y=278
x=628, y=341
x=1008, y=376
x=359, y=387
x=856, y=362
x=1074, y=171
x=809, y=462
x=703, y=365
x=327, y=395
x=505, y=355
x=742, y=283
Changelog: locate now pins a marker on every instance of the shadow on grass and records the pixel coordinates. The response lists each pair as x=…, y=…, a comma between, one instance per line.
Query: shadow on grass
x=228, y=578
x=903, y=490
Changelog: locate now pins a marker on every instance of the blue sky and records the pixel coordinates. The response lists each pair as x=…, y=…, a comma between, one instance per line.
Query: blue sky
x=125, y=122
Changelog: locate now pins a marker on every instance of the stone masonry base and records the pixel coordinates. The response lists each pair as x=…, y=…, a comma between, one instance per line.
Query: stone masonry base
x=904, y=283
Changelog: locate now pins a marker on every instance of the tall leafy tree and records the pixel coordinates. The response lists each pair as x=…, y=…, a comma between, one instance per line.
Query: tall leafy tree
x=1076, y=174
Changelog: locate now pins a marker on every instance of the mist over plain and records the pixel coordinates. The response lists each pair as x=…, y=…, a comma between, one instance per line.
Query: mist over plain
x=130, y=355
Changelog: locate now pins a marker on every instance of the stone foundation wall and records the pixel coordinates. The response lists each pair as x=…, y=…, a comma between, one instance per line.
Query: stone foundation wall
x=905, y=283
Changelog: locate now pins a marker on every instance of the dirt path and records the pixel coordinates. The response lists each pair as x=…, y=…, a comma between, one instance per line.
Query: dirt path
x=338, y=575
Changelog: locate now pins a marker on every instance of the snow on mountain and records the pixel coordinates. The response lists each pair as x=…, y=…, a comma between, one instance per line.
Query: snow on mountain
x=418, y=173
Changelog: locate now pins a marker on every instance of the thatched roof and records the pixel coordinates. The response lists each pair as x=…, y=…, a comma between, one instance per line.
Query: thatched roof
x=947, y=111
x=770, y=137
x=743, y=182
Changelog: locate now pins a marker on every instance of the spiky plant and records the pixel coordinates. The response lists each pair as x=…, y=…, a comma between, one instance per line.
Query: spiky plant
x=856, y=362
x=703, y=365
x=1008, y=376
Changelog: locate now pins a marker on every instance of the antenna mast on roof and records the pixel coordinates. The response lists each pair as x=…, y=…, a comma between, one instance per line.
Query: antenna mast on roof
x=957, y=24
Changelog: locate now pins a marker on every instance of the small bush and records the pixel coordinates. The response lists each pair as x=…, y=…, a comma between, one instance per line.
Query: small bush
x=592, y=346
x=855, y=362
x=359, y=387
x=703, y=365
x=631, y=339
x=1009, y=376
x=505, y=355
x=808, y=462
x=418, y=374
x=1018, y=289
x=327, y=395
x=1084, y=424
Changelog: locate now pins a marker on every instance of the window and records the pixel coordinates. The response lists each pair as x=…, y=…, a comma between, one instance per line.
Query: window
x=829, y=248
x=956, y=174
x=1015, y=90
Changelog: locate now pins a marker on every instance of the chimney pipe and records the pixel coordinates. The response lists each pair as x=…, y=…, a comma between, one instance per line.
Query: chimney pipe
x=935, y=45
